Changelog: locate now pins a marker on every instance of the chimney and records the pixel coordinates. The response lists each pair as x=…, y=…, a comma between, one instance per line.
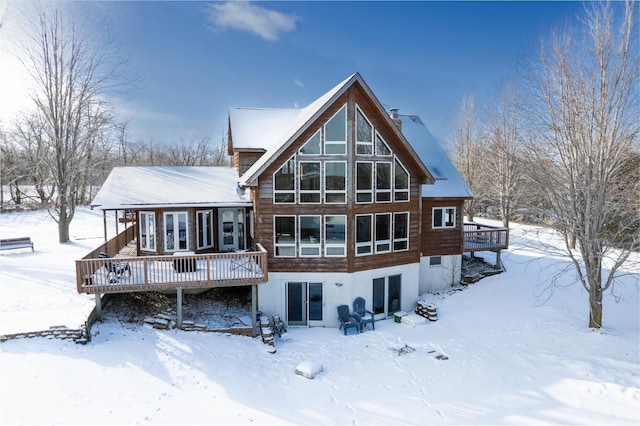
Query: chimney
x=393, y=113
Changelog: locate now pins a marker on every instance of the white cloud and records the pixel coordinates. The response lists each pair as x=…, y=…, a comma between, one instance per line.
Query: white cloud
x=298, y=83
x=244, y=16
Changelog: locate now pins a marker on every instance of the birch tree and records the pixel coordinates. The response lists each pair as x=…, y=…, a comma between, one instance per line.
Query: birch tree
x=583, y=102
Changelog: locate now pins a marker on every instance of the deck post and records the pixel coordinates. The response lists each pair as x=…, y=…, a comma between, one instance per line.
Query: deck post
x=179, y=307
x=498, y=262
x=98, y=307
x=254, y=309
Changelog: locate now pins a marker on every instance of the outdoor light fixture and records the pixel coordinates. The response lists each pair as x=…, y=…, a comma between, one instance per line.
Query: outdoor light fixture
x=338, y=284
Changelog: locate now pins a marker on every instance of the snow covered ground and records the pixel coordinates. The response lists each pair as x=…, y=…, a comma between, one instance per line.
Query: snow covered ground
x=515, y=356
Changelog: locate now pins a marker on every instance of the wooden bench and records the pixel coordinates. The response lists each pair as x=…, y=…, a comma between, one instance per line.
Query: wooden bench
x=16, y=243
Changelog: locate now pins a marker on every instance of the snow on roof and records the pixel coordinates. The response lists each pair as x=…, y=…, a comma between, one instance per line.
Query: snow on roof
x=291, y=131
x=449, y=183
x=267, y=125
x=170, y=186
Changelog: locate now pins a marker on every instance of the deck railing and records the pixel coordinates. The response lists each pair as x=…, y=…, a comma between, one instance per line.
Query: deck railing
x=117, y=243
x=478, y=237
x=148, y=273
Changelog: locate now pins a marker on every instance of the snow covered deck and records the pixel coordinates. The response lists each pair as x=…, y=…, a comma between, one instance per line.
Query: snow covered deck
x=149, y=273
x=478, y=237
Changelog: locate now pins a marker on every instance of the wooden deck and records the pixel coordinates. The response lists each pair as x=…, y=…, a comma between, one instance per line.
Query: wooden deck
x=126, y=272
x=478, y=237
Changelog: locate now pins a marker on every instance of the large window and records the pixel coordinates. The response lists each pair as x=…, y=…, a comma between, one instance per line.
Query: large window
x=364, y=235
x=335, y=236
x=204, y=225
x=309, y=236
x=285, y=236
x=335, y=178
x=382, y=148
x=176, y=235
x=400, y=231
x=335, y=133
x=401, y=183
x=444, y=217
x=383, y=233
x=383, y=182
x=310, y=182
x=364, y=134
x=147, y=231
x=364, y=182
x=284, y=183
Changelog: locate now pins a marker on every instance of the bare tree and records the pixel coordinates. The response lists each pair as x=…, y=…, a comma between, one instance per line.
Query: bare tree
x=73, y=76
x=583, y=103
x=505, y=138
x=468, y=153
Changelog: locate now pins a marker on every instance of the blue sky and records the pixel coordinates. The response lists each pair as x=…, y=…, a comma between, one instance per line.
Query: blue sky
x=197, y=59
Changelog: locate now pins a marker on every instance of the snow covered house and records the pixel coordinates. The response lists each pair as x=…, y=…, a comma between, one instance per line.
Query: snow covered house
x=323, y=204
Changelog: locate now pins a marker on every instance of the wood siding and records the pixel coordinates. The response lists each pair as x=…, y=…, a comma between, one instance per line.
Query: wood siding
x=242, y=160
x=439, y=242
x=265, y=209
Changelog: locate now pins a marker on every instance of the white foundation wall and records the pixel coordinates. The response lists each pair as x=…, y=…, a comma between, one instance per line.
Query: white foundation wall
x=436, y=278
x=272, y=295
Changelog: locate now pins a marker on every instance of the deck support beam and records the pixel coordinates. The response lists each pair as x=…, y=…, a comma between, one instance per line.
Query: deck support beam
x=98, y=307
x=498, y=262
x=179, y=307
x=254, y=309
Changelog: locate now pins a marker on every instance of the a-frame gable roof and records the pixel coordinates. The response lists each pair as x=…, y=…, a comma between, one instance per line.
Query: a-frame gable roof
x=304, y=118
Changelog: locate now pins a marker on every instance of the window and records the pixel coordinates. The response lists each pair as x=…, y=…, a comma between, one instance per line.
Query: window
x=335, y=133
x=383, y=182
x=310, y=182
x=363, y=234
x=383, y=233
x=335, y=236
x=335, y=174
x=382, y=148
x=435, y=261
x=309, y=236
x=364, y=134
x=364, y=182
x=401, y=182
x=312, y=146
x=284, y=183
x=285, y=236
x=176, y=237
x=444, y=217
x=400, y=231
x=147, y=231
x=204, y=225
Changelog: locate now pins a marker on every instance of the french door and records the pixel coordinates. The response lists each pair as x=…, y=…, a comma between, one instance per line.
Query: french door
x=231, y=229
x=305, y=304
x=386, y=295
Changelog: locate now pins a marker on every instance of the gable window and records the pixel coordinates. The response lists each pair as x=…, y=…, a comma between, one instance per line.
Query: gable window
x=284, y=183
x=176, y=237
x=364, y=182
x=335, y=189
x=204, y=226
x=400, y=231
x=364, y=134
x=444, y=217
x=383, y=182
x=312, y=146
x=147, y=231
x=383, y=233
x=401, y=182
x=310, y=182
x=363, y=234
x=309, y=236
x=284, y=236
x=335, y=236
x=382, y=148
x=335, y=133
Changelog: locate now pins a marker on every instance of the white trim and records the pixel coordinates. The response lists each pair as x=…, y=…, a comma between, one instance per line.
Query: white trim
x=304, y=245
x=364, y=244
x=444, y=224
x=360, y=143
x=287, y=245
x=287, y=191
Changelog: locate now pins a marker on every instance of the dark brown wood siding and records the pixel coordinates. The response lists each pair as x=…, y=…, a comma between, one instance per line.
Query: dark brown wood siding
x=265, y=209
x=436, y=242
